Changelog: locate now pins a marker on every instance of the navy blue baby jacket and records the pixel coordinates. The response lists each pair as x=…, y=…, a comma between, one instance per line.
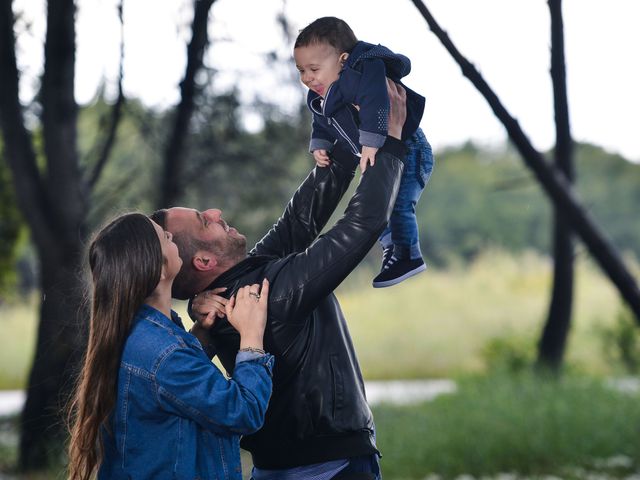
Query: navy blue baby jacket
x=362, y=82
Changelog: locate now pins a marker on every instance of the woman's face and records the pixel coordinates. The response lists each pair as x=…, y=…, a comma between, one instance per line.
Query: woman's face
x=173, y=262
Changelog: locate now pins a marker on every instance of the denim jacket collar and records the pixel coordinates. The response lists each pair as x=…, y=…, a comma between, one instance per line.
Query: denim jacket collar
x=156, y=316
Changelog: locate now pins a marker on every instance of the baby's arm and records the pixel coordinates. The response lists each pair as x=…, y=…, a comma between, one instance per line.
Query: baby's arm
x=373, y=102
x=321, y=143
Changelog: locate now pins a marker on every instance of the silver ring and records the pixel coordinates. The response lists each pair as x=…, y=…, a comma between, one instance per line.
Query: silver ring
x=254, y=294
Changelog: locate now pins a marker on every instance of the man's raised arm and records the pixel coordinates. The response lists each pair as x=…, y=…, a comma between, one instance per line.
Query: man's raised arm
x=316, y=272
x=310, y=208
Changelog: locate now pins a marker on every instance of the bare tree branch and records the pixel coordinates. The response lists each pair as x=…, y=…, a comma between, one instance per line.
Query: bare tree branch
x=116, y=112
x=553, y=181
x=103, y=206
x=175, y=150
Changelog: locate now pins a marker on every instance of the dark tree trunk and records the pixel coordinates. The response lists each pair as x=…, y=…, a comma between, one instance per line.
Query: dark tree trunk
x=553, y=181
x=175, y=149
x=19, y=153
x=59, y=349
x=55, y=208
x=67, y=191
x=554, y=336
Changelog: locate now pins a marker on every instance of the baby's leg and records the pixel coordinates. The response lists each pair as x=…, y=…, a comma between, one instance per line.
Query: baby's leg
x=400, y=241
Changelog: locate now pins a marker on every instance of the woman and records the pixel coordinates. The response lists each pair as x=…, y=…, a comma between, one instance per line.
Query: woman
x=149, y=402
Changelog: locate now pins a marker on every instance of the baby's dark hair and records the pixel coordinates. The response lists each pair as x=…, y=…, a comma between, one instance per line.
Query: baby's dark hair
x=329, y=30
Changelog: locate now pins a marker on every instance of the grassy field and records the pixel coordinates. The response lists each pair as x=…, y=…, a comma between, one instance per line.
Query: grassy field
x=451, y=324
x=438, y=324
x=498, y=427
x=19, y=328
x=509, y=427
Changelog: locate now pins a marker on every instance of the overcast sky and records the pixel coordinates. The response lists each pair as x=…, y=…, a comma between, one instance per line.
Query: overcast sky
x=507, y=40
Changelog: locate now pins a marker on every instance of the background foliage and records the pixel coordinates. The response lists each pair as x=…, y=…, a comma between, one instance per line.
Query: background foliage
x=478, y=198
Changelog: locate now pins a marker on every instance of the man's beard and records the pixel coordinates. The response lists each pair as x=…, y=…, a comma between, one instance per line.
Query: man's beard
x=235, y=249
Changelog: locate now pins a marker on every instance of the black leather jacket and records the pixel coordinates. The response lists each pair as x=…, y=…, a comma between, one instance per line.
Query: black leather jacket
x=318, y=410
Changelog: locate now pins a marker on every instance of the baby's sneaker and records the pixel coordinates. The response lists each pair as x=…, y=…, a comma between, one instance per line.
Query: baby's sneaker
x=396, y=270
x=387, y=253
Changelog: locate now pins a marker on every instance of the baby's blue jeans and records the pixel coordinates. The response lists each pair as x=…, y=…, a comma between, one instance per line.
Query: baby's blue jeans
x=402, y=230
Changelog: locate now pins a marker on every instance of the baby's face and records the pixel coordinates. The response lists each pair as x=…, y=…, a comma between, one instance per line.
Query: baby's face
x=319, y=65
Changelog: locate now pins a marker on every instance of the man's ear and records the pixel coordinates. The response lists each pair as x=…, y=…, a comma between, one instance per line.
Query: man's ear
x=204, y=261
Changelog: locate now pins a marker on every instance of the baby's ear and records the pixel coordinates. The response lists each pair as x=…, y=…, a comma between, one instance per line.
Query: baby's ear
x=343, y=58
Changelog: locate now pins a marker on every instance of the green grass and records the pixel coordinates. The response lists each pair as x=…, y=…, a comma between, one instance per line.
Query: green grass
x=524, y=426
x=18, y=324
x=439, y=323
x=517, y=424
x=434, y=325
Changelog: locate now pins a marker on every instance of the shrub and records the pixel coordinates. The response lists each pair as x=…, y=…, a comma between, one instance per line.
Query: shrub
x=522, y=424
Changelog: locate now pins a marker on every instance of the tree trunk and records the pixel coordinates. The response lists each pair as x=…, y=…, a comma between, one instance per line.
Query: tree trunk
x=553, y=181
x=55, y=208
x=554, y=336
x=175, y=149
x=59, y=348
x=60, y=340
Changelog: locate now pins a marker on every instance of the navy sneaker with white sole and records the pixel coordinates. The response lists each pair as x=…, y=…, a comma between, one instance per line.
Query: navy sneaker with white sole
x=397, y=270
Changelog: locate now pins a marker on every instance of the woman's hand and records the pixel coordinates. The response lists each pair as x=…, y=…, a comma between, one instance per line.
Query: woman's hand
x=247, y=313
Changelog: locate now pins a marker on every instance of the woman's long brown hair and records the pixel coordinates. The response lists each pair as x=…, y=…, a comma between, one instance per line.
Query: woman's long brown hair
x=125, y=259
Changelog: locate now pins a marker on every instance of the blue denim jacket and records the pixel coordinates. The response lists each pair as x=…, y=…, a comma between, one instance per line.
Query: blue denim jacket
x=176, y=416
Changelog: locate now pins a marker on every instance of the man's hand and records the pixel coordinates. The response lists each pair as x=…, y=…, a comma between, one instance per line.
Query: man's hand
x=398, y=108
x=322, y=158
x=367, y=157
x=205, y=308
x=209, y=304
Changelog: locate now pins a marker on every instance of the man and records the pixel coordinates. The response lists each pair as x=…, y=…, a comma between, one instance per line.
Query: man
x=318, y=424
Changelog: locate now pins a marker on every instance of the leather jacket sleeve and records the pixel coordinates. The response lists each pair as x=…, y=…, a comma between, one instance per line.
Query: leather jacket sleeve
x=310, y=208
x=312, y=274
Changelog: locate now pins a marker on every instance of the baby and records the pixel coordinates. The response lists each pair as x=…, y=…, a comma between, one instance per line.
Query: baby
x=350, y=105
